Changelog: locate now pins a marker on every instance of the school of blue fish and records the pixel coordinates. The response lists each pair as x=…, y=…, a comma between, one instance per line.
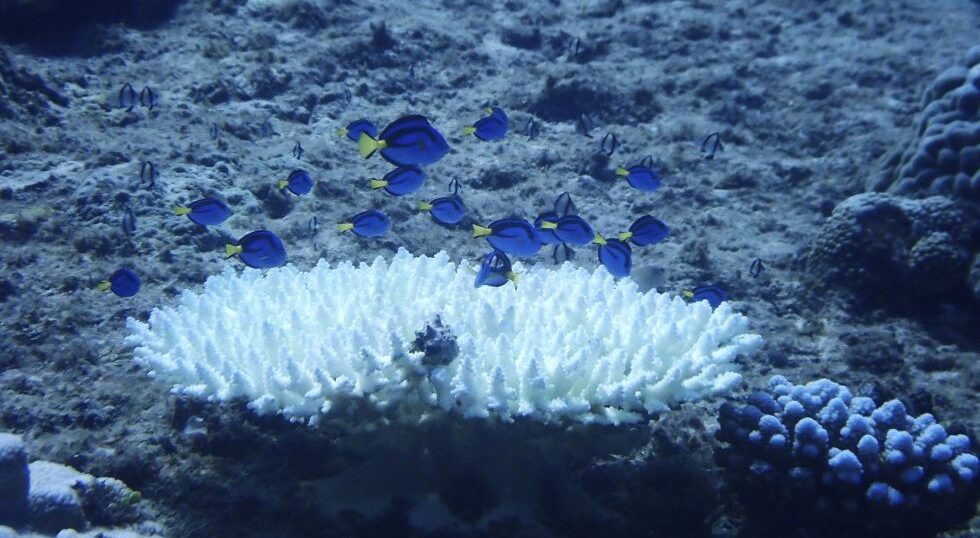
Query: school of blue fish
x=409, y=143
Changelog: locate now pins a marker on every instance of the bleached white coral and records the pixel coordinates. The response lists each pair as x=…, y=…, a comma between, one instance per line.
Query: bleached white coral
x=563, y=344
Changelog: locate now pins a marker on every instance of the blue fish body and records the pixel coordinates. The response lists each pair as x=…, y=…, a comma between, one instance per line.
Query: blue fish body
x=646, y=230
x=495, y=271
x=492, y=127
x=641, y=177
x=514, y=236
x=299, y=182
x=546, y=235
x=448, y=209
x=261, y=249
x=356, y=127
x=573, y=230
x=711, y=293
x=208, y=211
x=406, y=141
x=124, y=283
x=372, y=223
x=404, y=180
x=617, y=257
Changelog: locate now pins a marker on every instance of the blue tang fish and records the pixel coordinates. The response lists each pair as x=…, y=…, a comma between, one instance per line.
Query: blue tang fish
x=208, y=211
x=299, y=182
x=514, y=236
x=571, y=229
x=711, y=293
x=495, y=271
x=401, y=181
x=372, y=223
x=445, y=210
x=645, y=230
x=615, y=255
x=124, y=283
x=492, y=127
x=563, y=207
x=355, y=128
x=408, y=140
x=640, y=177
x=260, y=249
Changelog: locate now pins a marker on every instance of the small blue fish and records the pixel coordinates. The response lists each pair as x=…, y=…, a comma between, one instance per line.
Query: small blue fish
x=299, y=182
x=513, y=236
x=124, y=283
x=372, y=223
x=645, y=230
x=640, y=177
x=401, y=181
x=545, y=225
x=711, y=293
x=495, y=271
x=489, y=128
x=615, y=255
x=355, y=128
x=445, y=210
x=260, y=249
x=208, y=211
x=408, y=140
x=756, y=268
x=571, y=229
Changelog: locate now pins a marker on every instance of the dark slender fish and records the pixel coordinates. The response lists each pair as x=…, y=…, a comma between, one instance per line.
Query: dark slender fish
x=127, y=97
x=647, y=161
x=609, y=144
x=756, y=268
x=298, y=150
x=562, y=253
x=148, y=174
x=214, y=131
x=314, y=226
x=716, y=147
x=148, y=98
x=348, y=95
x=574, y=47
x=128, y=222
x=531, y=129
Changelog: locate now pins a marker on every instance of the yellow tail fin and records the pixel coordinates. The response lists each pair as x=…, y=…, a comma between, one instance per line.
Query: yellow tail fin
x=282, y=183
x=599, y=240
x=623, y=236
x=548, y=225
x=344, y=226
x=104, y=285
x=231, y=250
x=342, y=132
x=513, y=277
x=424, y=206
x=378, y=183
x=367, y=145
x=620, y=171
x=181, y=210
x=469, y=130
x=480, y=231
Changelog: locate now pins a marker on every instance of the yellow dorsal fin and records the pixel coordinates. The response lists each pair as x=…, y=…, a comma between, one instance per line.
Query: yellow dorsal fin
x=480, y=231
x=623, y=236
x=548, y=225
x=424, y=206
x=105, y=285
x=344, y=226
x=282, y=183
x=378, y=183
x=620, y=171
x=599, y=240
x=181, y=210
x=231, y=250
x=513, y=277
x=469, y=130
